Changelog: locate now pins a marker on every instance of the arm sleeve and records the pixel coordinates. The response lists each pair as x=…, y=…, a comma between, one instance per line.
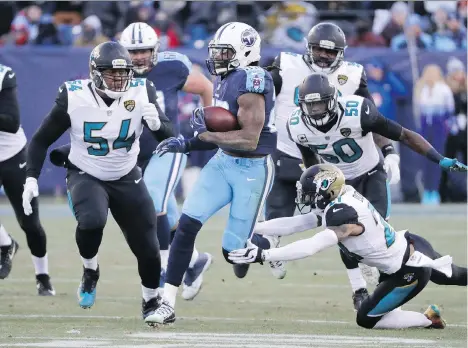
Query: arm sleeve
x=363, y=91
x=9, y=110
x=373, y=121
x=288, y=225
x=166, y=130
x=275, y=74
x=340, y=214
x=52, y=127
x=309, y=157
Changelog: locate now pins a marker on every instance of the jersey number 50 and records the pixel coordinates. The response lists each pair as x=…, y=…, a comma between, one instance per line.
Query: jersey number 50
x=341, y=155
x=120, y=143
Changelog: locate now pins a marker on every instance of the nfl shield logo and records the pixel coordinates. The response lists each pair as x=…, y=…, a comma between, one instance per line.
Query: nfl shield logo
x=342, y=79
x=129, y=105
x=345, y=132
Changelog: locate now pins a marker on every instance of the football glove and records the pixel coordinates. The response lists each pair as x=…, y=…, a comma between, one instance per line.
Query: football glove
x=197, y=121
x=30, y=191
x=172, y=145
x=392, y=167
x=452, y=164
x=250, y=254
x=151, y=116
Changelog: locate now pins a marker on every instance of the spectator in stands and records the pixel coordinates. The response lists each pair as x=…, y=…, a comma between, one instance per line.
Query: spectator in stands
x=412, y=31
x=47, y=32
x=67, y=12
x=457, y=138
x=364, y=36
x=435, y=106
x=288, y=23
x=91, y=33
x=462, y=11
x=453, y=37
x=25, y=25
x=399, y=14
x=111, y=14
x=168, y=31
x=385, y=88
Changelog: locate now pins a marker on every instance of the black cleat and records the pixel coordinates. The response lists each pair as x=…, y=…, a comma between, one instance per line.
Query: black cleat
x=87, y=289
x=148, y=308
x=44, y=286
x=7, y=253
x=240, y=270
x=358, y=297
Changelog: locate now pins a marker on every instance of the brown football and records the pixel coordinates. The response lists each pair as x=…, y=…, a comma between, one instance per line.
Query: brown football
x=218, y=119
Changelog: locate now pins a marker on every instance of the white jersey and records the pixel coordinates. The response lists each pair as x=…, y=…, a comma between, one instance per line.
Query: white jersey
x=105, y=139
x=346, y=145
x=294, y=69
x=378, y=245
x=10, y=143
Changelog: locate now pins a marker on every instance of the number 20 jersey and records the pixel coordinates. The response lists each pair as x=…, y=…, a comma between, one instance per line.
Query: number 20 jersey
x=105, y=139
x=346, y=144
x=378, y=245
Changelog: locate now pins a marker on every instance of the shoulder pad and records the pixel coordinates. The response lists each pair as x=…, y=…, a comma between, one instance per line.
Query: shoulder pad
x=255, y=77
x=7, y=77
x=4, y=68
x=175, y=57
x=339, y=213
x=353, y=65
x=76, y=85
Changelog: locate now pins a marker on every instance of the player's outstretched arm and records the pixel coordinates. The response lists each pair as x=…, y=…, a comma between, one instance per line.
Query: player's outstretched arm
x=197, y=83
x=374, y=121
x=9, y=110
x=288, y=225
x=153, y=116
x=251, y=117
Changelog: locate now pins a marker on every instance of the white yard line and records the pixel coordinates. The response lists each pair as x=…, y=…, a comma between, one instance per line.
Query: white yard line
x=110, y=317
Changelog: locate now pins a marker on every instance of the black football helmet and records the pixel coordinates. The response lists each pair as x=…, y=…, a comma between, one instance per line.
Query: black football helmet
x=110, y=69
x=326, y=43
x=318, y=100
x=318, y=186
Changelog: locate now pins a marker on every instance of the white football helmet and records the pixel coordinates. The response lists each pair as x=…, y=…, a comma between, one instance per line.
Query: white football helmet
x=140, y=36
x=235, y=45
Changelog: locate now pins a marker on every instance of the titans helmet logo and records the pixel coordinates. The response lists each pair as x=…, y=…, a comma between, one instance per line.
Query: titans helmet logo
x=248, y=37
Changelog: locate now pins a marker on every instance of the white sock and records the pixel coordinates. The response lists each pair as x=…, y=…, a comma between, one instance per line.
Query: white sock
x=41, y=264
x=164, y=258
x=170, y=294
x=148, y=293
x=194, y=257
x=5, y=239
x=356, y=279
x=90, y=263
x=399, y=319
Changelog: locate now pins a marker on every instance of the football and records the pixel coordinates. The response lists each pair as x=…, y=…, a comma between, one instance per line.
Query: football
x=218, y=119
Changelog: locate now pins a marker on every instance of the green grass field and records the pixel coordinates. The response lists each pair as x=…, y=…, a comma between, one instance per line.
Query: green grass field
x=311, y=307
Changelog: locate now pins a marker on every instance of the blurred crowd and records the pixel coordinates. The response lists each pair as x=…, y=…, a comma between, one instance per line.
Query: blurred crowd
x=431, y=25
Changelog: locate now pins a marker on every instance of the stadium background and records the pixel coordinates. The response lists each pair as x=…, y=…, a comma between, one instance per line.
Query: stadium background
x=47, y=48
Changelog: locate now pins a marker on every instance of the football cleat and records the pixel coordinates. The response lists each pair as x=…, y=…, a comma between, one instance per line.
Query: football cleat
x=193, y=278
x=164, y=314
x=7, y=253
x=44, y=286
x=148, y=308
x=277, y=268
x=241, y=269
x=433, y=314
x=358, y=297
x=87, y=289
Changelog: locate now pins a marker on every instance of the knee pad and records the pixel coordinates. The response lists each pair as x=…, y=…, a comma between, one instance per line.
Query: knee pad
x=188, y=226
x=366, y=322
x=226, y=254
x=91, y=221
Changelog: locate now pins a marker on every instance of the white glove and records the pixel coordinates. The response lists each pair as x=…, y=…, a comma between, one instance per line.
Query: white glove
x=31, y=190
x=249, y=254
x=151, y=116
x=392, y=167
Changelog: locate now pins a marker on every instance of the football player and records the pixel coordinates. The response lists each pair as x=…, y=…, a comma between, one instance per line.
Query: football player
x=12, y=176
x=405, y=260
x=241, y=172
x=170, y=72
x=105, y=115
x=326, y=44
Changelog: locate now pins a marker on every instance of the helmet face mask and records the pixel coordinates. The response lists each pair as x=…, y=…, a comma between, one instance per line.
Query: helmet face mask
x=326, y=44
x=318, y=186
x=235, y=45
x=111, y=69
